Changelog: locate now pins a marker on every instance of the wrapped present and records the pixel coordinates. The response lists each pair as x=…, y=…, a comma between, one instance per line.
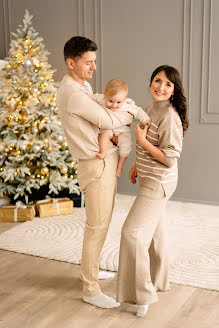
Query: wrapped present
x=17, y=213
x=54, y=206
x=4, y=200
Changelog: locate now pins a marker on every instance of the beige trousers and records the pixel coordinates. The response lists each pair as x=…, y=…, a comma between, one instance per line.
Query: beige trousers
x=143, y=258
x=97, y=178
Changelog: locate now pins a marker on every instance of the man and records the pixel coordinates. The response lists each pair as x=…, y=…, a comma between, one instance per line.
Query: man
x=81, y=119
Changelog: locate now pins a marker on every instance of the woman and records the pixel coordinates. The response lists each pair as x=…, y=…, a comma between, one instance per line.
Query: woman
x=143, y=261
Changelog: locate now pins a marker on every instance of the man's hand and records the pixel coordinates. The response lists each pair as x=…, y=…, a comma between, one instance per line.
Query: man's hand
x=114, y=139
x=140, y=133
x=133, y=173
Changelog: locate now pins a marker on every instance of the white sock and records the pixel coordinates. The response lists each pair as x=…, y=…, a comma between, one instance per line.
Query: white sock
x=142, y=310
x=103, y=275
x=101, y=300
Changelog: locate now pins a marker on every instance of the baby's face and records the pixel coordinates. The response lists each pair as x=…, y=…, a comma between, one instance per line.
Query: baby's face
x=115, y=102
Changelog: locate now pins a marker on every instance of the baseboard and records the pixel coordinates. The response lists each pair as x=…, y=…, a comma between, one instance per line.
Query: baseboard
x=184, y=200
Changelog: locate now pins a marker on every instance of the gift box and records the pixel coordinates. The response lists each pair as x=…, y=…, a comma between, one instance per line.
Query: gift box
x=4, y=200
x=17, y=213
x=54, y=206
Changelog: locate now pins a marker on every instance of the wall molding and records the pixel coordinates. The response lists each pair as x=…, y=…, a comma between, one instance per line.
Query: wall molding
x=207, y=114
x=99, y=40
x=92, y=28
x=81, y=17
x=187, y=48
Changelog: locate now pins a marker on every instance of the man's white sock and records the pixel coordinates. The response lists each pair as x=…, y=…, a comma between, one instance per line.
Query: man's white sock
x=101, y=300
x=142, y=310
x=103, y=275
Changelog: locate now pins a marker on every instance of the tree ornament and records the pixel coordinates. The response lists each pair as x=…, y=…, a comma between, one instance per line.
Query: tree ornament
x=60, y=139
x=63, y=170
x=36, y=148
x=27, y=62
x=44, y=170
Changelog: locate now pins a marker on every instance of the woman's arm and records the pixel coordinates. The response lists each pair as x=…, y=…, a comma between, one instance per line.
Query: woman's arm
x=140, y=135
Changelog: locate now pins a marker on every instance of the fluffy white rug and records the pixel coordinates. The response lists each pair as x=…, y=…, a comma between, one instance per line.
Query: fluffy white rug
x=193, y=240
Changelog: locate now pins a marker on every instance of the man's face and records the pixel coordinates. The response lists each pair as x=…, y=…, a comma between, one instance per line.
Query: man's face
x=82, y=68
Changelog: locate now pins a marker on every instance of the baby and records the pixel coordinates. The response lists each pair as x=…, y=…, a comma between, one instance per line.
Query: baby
x=115, y=99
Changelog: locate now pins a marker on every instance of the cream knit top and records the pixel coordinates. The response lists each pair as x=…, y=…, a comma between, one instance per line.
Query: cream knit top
x=165, y=132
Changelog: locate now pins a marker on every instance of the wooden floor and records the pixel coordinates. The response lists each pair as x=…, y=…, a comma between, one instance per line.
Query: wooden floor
x=41, y=293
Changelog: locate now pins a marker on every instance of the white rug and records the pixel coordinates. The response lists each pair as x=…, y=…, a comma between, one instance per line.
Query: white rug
x=193, y=240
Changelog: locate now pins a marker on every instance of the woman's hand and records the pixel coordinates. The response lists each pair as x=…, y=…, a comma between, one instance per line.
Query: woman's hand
x=133, y=173
x=140, y=133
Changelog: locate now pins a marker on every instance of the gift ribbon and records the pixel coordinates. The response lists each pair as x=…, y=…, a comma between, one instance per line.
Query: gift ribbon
x=82, y=199
x=55, y=202
x=18, y=205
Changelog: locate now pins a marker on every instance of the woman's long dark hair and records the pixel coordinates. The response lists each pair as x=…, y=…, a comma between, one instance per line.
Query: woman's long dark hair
x=178, y=100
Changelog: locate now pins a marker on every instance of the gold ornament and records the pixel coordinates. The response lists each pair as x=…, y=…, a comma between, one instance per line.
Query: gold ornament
x=44, y=170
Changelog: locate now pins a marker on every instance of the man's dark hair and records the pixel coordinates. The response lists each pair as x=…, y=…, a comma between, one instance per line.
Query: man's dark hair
x=77, y=46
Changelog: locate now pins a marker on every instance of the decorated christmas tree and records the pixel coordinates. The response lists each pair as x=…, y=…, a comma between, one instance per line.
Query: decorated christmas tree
x=33, y=150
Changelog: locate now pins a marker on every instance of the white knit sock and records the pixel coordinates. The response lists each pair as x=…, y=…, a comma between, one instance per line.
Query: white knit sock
x=142, y=310
x=101, y=300
x=103, y=275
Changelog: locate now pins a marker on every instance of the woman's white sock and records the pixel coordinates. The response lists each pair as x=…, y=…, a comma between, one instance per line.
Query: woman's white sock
x=142, y=310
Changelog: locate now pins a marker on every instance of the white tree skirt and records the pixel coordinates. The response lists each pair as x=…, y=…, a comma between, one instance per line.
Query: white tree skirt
x=193, y=240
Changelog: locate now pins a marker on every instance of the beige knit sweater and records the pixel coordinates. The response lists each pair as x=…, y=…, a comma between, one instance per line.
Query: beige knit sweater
x=166, y=133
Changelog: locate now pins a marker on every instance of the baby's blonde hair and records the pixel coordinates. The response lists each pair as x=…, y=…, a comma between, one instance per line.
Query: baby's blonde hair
x=114, y=86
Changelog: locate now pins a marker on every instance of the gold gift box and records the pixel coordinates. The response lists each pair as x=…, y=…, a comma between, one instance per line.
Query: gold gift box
x=54, y=206
x=16, y=213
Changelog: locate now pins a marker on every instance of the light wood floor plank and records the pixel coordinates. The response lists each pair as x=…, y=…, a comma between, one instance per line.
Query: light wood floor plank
x=41, y=293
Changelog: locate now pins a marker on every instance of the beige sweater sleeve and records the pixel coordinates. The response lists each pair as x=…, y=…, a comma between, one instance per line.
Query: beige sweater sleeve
x=82, y=105
x=170, y=136
x=142, y=116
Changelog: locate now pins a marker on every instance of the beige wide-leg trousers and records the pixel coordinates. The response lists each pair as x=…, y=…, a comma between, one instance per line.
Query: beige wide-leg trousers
x=97, y=178
x=143, y=258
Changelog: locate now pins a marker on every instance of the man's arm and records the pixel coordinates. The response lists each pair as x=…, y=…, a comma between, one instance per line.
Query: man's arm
x=83, y=106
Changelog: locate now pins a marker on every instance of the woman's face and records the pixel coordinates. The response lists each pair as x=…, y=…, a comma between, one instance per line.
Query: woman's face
x=161, y=87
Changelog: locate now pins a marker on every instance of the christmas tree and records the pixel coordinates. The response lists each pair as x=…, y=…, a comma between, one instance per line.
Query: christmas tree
x=33, y=149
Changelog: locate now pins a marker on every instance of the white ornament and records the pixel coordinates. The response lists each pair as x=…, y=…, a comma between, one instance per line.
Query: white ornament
x=60, y=139
x=27, y=62
x=34, y=101
x=36, y=148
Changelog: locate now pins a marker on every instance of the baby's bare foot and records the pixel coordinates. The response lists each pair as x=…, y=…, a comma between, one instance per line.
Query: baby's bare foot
x=118, y=172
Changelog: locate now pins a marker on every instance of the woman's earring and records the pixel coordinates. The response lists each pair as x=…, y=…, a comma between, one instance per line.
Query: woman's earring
x=171, y=98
